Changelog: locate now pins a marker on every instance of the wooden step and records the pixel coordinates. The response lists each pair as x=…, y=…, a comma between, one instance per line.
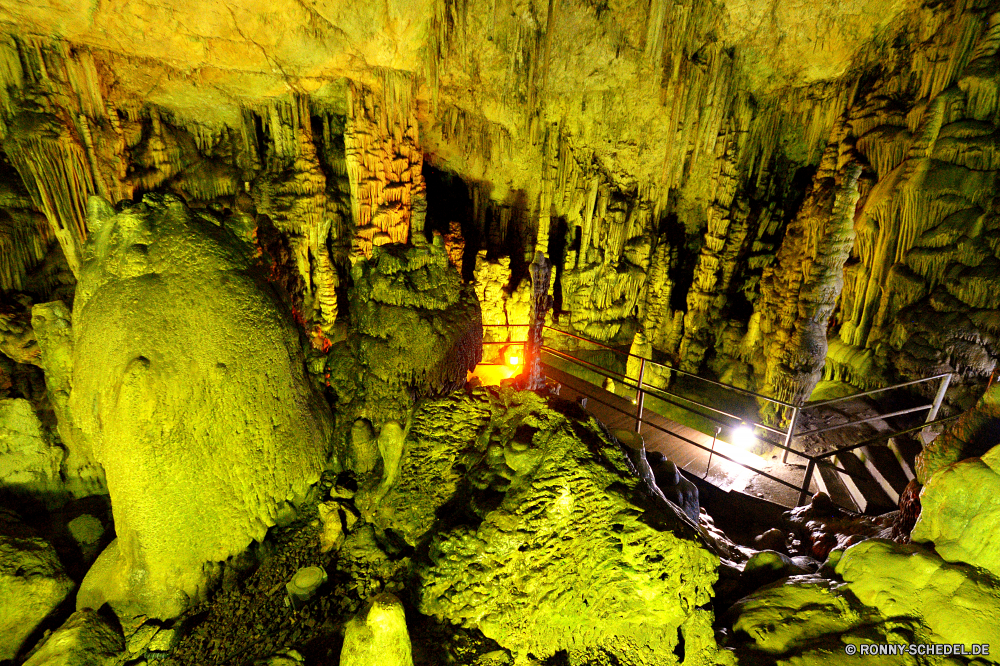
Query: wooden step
x=885, y=470
x=868, y=495
x=832, y=483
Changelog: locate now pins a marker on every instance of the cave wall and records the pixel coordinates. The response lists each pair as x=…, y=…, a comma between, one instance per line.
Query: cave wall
x=658, y=154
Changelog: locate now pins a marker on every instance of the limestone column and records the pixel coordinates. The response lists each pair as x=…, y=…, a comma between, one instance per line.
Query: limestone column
x=799, y=293
x=541, y=301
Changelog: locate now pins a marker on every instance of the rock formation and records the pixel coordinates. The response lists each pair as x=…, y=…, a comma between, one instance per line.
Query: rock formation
x=881, y=592
x=85, y=639
x=674, y=486
x=973, y=434
x=961, y=524
x=378, y=634
x=568, y=552
x=415, y=331
x=32, y=583
x=799, y=292
x=209, y=210
x=190, y=387
x=29, y=460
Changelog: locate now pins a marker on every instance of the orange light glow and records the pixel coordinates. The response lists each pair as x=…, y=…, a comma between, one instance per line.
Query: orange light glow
x=514, y=360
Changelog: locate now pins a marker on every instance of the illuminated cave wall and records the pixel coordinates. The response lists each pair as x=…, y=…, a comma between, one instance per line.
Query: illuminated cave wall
x=768, y=192
x=658, y=153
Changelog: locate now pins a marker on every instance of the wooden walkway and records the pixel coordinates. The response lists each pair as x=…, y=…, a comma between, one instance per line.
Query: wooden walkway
x=667, y=438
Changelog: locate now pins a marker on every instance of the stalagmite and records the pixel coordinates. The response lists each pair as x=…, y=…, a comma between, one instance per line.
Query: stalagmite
x=799, y=293
x=725, y=240
x=200, y=439
x=541, y=272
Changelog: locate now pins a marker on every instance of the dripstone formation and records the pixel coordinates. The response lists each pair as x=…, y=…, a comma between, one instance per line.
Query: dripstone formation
x=290, y=287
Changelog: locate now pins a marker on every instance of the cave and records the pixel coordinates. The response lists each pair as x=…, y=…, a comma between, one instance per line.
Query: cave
x=507, y=333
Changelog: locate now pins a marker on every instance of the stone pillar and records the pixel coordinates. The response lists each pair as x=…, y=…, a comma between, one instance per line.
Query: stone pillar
x=541, y=274
x=799, y=292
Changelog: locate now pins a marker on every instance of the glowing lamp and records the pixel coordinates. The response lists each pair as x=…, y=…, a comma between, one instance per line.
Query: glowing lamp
x=513, y=360
x=743, y=436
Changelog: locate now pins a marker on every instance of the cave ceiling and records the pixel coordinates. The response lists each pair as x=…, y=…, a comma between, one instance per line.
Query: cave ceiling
x=661, y=152
x=608, y=71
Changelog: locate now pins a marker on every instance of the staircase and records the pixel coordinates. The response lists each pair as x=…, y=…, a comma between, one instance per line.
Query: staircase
x=871, y=478
x=860, y=449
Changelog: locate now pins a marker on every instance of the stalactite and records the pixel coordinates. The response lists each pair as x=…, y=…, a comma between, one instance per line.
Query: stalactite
x=58, y=134
x=58, y=177
x=920, y=225
x=655, y=307
x=293, y=192
x=24, y=243
x=384, y=162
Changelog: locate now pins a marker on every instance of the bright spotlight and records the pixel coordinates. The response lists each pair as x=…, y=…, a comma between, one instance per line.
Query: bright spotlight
x=743, y=436
x=513, y=360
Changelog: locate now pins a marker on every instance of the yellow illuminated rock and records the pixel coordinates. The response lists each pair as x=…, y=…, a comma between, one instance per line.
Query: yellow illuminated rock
x=32, y=584
x=378, y=635
x=960, y=512
x=189, y=383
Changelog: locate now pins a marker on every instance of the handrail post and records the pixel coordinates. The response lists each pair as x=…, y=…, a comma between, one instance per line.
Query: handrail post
x=715, y=437
x=939, y=398
x=640, y=397
x=936, y=405
x=790, y=434
x=805, y=482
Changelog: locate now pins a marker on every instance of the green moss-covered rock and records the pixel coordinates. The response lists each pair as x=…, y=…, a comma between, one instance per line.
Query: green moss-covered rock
x=189, y=384
x=564, y=548
x=793, y=614
x=377, y=635
x=960, y=512
x=445, y=440
x=883, y=592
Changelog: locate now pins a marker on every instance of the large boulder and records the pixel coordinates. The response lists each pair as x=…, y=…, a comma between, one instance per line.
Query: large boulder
x=32, y=584
x=189, y=384
x=960, y=512
x=85, y=639
x=953, y=603
x=29, y=459
x=555, y=544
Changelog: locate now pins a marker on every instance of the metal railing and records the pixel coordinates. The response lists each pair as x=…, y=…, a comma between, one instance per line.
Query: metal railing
x=722, y=418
